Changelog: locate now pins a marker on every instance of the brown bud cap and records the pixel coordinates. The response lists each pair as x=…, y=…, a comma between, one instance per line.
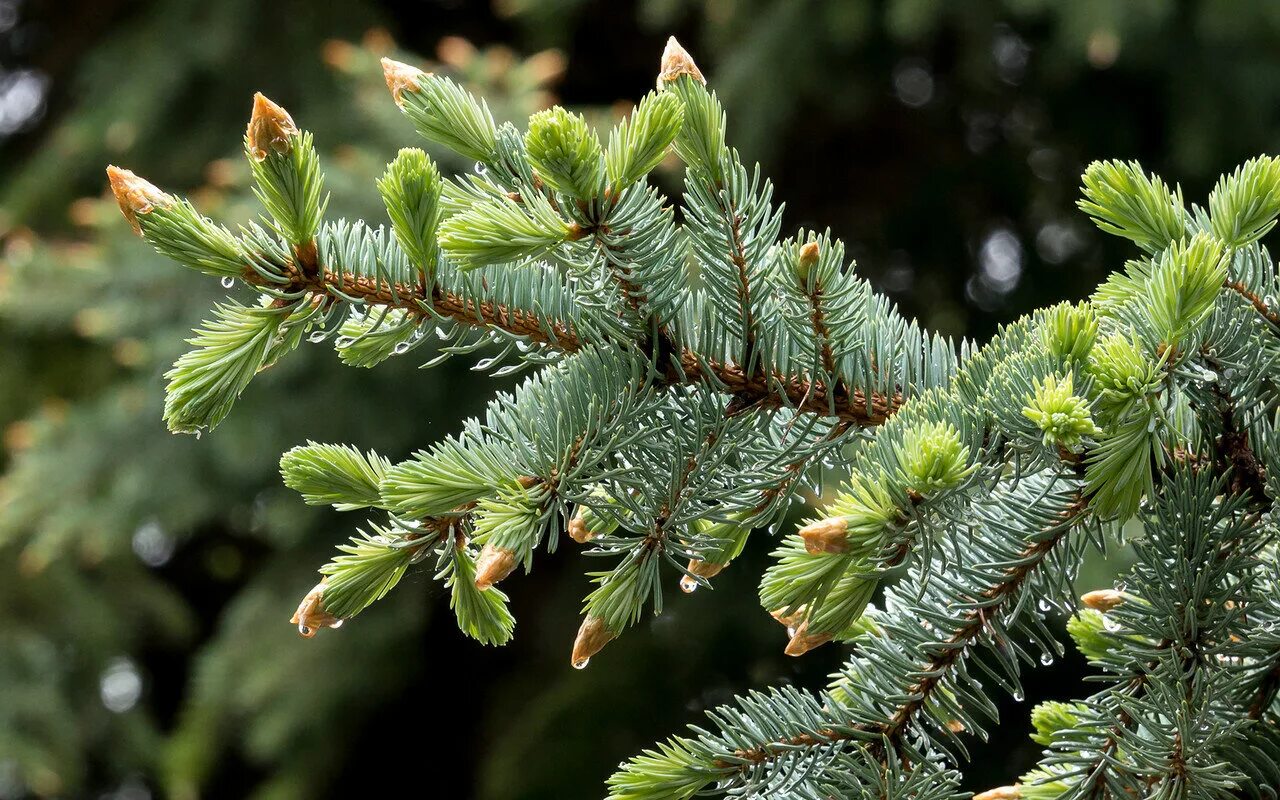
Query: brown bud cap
x=401, y=78
x=270, y=129
x=676, y=61
x=593, y=635
x=578, y=530
x=955, y=726
x=1103, y=599
x=805, y=263
x=1000, y=793
x=135, y=195
x=802, y=641
x=495, y=564
x=705, y=569
x=311, y=616
x=826, y=536
x=788, y=620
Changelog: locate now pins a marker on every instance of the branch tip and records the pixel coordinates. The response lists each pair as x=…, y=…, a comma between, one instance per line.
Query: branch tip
x=311, y=616
x=136, y=196
x=401, y=78
x=270, y=129
x=676, y=61
x=495, y=563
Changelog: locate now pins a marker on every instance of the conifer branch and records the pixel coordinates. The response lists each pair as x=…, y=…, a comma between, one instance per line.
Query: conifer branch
x=883, y=738
x=689, y=376
x=767, y=392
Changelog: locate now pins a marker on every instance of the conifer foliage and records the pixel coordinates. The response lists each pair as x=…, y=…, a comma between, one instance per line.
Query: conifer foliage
x=692, y=375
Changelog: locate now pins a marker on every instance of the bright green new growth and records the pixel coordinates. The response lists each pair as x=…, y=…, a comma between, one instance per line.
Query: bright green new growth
x=638, y=144
x=229, y=350
x=337, y=475
x=503, y=230
x=1125, y=201
x=565, y=153
x=1051, y=717
x=410, y=189
x=1061, y=414
x=694, y=375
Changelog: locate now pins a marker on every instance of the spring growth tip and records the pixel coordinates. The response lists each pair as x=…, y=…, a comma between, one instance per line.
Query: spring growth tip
x=1000, y=793
x=1103, y=600
x=788, y=620
x=802, y=641
x=135, y=195
x=578, y=530
x=704, y=569
x=311, y=616
x=826, y=536
x=805, y=262
x=593, y=635
x=401, y=78
x=495, y=563
x=271, y=129
x=676, y=61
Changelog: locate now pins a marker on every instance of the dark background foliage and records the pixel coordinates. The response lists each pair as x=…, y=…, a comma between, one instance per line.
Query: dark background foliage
x=145, y=579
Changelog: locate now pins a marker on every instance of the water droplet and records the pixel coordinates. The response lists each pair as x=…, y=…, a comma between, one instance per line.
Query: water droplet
x=688, y=584
x=481, y=169
x=152, y=545
x=228, y=282
x=790, y=631
x=317, y=337
x=1018, y=696
x=343, y=341
x=1046, y=659
x=1045, y=606
x=401, y=348
x=120, y=686
x=581, y=663
x=1110, y=624
x=337, y=624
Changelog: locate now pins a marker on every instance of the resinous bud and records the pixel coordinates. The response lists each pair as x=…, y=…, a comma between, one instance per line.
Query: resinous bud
x=705, y=569
x=401, y=78
x=676, y=61
x=587, y=523
x=1103, y=600
x=271, y=129
x=826, y=536
x=593, y=635
x=136, y=196
x=802, y=641
x=494, y=564
x=788, y=620
x=805, y=262
x=311, y=616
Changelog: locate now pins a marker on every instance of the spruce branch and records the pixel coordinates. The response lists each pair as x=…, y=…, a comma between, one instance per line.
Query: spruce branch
x=690, y=374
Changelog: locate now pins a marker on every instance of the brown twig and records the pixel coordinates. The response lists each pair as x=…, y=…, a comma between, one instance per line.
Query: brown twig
x=1262, y=308
x=812, y=396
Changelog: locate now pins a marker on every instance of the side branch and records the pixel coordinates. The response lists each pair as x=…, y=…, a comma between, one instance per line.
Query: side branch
x=993, y=600
x=811, y=396
x=1257, y=302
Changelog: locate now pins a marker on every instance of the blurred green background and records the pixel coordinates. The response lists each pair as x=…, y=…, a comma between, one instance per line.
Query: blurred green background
x=146, y=579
